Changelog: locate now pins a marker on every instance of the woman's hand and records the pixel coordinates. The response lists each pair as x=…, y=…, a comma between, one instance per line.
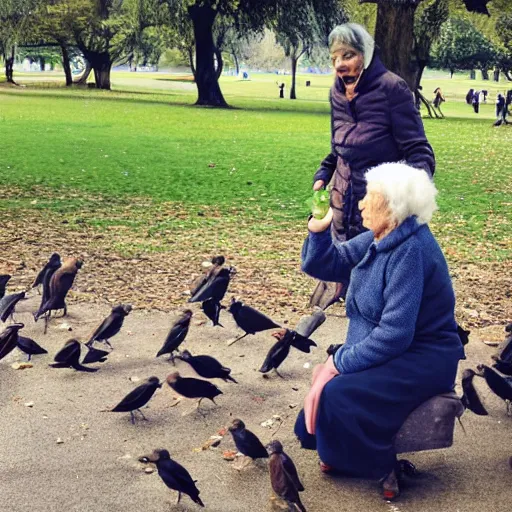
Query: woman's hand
x=322, y=374
x=318, y=185
x=319, y=225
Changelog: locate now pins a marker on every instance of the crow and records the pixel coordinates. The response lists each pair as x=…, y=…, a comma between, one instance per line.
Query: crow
x=499, y=385
x=9, y=339
x=69, y=356
x=4, y=279
x=470, y=398
x=8, y=303
x=246, y=442
x=503, y=356
x=111, y=325
x=193, y=388
x=211, y=308
x=199, y=282
x=30, y=347
x=174, y=475
x=214, y=284
x=278, y=353
x=48, y=270
x=176, y=335
x=249, y=319
x=283, y=476
x=138, y=398
x=207, y=366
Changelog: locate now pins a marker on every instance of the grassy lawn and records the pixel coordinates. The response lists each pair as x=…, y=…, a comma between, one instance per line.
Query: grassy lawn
x=142, y=172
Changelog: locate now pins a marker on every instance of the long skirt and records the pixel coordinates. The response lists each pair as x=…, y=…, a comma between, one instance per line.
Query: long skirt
x=360, y=413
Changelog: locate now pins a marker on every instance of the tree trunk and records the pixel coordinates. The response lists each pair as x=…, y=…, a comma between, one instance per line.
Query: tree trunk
x=496, y=75
x=101, y=65
x=237, y=65
x=191, y=60
x=65, y=65
x=85, y=75
x=220, y=62
x=472, y=75
x=9, y=63
x=41, y=63
x=485, y=74
x=293, y=95
x=208, y=89
x=394, y=36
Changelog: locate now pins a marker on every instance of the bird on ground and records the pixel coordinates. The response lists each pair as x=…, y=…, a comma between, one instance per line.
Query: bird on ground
x=211, y=308
x=503, y=356
x=499, y=385
x=69, y=356
x=174, y=475
x=48, y=270
x=30, y=347
x=60, y=284
x=283, y=476
x=214, y=284
x=246, y=442
x=9, y=339
x=8, y=304
x=250, y=320
x=193, y=388
x=278, y=353
x=176, y=335
x=309, y=324
x=138, y=398
x=470, y=398
x=4, y=279
x=111, y=325
x=207, y=366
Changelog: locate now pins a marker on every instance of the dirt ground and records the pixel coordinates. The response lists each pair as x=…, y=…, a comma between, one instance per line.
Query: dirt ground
x=95, y=466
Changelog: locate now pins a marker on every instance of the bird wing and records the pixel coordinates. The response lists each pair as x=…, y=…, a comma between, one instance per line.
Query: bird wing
x=291, y=470
x=196, y=388
x=214, y=286
x=60, y=284
x=301, y=343
x=499, y=386
x=8, y=303
x=276, y=355
x=136, y=398
x=251, y=320
x=281, y=481
x=69, y=352
x=29, y=346
x=174, y=339
x=102, y=328
x=249, y=444
x=7, y=342
x=176, y=477
x=470, y=398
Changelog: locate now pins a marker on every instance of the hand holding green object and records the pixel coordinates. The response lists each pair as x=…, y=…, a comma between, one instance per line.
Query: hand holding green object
x=319, y=203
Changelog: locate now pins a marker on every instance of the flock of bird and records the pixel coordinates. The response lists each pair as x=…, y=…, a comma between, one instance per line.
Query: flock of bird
x=56, y=279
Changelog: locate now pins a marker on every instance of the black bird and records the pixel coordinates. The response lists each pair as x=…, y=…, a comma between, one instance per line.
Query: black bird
x=8, y=303
x=463, y=335
x=138, y=398
x=499, y=385
x=278, y=353
x=60, y=284
x=207, y=366
x=249, y=319
x=300, y=342
x=309, y=324
x=332, y=348
x=214, y=284
x=95, y=355
x=470, y=398
x=111, y=325
x=193, y=388
x=174, y=475
x=198, y=283
x=246, y=442
x=30, y=347
x=69, y=356
x=211, y=308
x=176, y=335
x=4, y=279
x=503, y=357
x=48, y=270
x=9, y=339
x=283, y=476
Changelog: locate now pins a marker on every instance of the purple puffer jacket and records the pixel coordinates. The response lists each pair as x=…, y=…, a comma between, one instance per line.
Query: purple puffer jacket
x=381, y=124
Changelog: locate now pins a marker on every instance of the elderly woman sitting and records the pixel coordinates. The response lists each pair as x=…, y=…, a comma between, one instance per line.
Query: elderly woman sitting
x=402, y=346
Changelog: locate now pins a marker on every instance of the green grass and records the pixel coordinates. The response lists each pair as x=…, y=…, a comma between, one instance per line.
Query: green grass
x=144, y=144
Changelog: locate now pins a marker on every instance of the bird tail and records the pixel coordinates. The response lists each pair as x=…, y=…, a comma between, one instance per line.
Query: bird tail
x=81, y=368
x=228, y=377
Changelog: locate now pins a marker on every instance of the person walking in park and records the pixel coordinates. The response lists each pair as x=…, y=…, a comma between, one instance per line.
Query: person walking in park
x=438, y=99
x=475, y=101
x=402, y=346
x=373, y=120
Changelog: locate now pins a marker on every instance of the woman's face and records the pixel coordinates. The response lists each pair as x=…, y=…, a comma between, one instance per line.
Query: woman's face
x=347, y=62
x=375, y=212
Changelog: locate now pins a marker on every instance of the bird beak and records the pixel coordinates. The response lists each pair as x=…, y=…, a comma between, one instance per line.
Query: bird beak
x=149, y=458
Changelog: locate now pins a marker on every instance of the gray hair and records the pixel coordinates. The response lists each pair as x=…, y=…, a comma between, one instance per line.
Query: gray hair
x=354, y=35
x=409, y=191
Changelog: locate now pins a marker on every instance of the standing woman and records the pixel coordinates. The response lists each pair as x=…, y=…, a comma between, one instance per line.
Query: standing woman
x=373, y=121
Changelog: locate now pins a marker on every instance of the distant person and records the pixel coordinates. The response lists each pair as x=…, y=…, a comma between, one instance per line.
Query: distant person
x=475, y=101
x=500, y=105
x=438, y=99
x=484, y=94
x=245, y=75
x=374, y=120
x=469, y=96
x=281, y=89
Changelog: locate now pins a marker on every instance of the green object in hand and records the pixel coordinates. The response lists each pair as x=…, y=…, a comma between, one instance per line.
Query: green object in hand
x=319, y=203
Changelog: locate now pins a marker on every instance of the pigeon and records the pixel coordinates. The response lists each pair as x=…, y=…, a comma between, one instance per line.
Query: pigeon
x=138, y=398
x=48, y=270
x=499, y=385
x=4, y=279
x=9, y=339
x=283, y=476
x=211, y=308
x=8, y=303
x=249, y=319
x=246, y=442
x=278, y=353
x=174, y=475
x=69, y=356
x=193, y=388
x=214, y=284
x=470, y=398
x=111, y=325
x=30, y=347
x=176, y=335
x=207, y=366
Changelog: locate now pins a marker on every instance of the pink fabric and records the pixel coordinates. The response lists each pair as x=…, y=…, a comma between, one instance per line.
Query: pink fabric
x=322, y=374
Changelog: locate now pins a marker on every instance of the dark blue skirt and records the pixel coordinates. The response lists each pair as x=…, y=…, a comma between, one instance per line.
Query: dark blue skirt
x=360, y=413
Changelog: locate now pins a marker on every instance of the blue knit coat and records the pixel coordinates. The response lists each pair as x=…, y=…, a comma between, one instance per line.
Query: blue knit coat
x=401, y=349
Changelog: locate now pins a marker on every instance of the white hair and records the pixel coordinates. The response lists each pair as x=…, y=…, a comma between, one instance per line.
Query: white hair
x=355, y=35
x=409, y=191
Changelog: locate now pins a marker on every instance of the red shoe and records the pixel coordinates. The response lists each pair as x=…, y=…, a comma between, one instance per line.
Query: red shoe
x=325, y=468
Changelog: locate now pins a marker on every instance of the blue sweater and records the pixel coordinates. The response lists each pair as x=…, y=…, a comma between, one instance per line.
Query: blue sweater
x=400, y=295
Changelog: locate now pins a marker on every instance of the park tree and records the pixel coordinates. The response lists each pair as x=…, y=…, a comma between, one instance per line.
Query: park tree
x=299, y=26
x=504, y=32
